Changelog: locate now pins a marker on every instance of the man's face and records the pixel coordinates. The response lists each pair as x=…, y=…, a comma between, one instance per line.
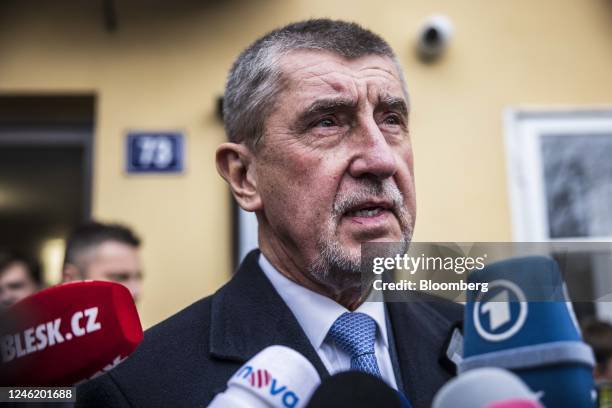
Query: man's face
x=15, y=284
x=117, y=262
x=335, y=166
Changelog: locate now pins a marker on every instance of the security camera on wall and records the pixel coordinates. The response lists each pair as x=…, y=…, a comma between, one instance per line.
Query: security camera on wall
x=433, y=37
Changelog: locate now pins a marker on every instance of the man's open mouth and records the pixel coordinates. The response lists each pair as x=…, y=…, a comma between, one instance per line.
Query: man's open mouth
x=369, y=209
x=368, y=212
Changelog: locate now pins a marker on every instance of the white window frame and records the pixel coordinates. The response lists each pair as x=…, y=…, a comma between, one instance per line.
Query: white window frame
x=522, y=129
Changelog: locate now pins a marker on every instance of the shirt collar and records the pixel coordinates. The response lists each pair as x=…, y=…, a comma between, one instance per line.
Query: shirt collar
x=317, y=313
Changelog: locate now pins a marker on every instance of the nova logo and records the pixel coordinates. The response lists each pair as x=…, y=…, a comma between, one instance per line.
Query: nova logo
x=500, y=312
x=263, y=381
x=260, y=378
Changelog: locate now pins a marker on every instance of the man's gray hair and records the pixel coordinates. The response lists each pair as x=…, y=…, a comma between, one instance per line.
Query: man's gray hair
x=255, y=80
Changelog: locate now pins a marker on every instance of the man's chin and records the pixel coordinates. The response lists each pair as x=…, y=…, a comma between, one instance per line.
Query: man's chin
x=350, y=251
x=353, y=234
x=353, y=245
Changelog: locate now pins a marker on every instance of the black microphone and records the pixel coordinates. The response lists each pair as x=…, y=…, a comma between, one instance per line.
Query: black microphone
x=356, y=390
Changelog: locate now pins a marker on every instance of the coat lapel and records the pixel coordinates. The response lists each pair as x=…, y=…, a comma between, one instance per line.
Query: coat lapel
x=420, y=334
x=248, y=315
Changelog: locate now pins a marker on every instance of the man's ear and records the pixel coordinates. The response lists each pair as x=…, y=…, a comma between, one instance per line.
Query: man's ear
x=235, y=163
x=70, y=273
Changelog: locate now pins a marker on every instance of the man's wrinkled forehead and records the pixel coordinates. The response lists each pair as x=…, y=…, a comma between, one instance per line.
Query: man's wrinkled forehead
x=315, y=74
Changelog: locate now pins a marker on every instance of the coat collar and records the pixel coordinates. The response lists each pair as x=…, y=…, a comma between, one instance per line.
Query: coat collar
x=248, y=315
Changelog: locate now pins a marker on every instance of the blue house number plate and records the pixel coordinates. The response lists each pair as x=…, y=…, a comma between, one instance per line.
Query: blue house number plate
x=155, y=152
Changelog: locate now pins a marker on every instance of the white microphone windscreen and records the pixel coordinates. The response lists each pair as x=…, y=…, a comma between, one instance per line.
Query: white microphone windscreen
x=481, y=387
x=276, y=377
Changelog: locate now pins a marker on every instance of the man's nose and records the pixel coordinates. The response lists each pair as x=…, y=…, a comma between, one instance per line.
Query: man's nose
x=374, y=156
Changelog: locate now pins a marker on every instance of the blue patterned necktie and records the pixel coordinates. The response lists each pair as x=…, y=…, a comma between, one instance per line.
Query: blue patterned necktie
x=355, y=333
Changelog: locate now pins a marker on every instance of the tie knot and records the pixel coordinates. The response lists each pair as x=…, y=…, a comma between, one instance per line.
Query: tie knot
x=355, y=333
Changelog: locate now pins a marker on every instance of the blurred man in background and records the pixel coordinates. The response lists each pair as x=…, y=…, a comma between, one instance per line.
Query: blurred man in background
x=598, y=334
x=20, y=277
x=107, y=252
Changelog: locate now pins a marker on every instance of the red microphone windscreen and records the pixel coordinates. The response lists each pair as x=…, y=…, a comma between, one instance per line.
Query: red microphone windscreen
x=67, y=333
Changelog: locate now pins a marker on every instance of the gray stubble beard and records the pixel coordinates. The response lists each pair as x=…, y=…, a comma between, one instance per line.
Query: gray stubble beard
x=336, y=268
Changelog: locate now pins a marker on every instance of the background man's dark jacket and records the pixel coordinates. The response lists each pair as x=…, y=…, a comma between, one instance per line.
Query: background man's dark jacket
x=187, y=359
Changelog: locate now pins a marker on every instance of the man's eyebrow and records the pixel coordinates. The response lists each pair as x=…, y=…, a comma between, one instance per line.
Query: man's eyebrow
x=393, y=103
x=321, y=107
x=325, y=106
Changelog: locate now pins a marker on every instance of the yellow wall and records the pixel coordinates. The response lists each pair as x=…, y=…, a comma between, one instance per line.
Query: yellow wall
x=167, y=62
